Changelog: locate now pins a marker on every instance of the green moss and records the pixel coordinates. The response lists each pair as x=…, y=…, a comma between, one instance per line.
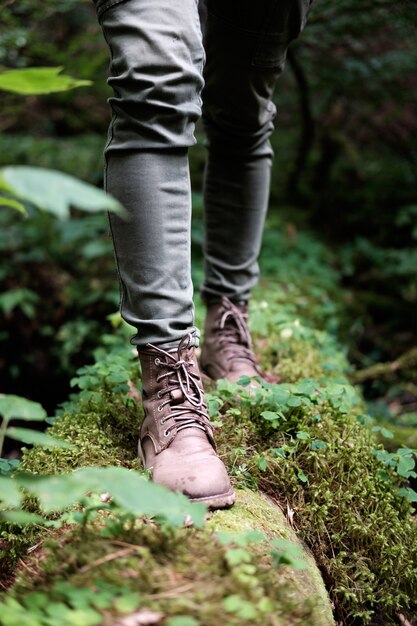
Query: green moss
x=185, y=571
x=343, y=503
x=298, y=360
x=255, y=511
x=103, y=432
x=317, y=461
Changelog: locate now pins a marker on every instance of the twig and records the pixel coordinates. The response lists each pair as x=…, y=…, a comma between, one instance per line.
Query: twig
x=380, y=370
x=171, y=592
x=109, y=557
x=35, y=547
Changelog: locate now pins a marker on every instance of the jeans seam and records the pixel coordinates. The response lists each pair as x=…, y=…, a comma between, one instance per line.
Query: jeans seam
x=122, y=287
x=101, y=8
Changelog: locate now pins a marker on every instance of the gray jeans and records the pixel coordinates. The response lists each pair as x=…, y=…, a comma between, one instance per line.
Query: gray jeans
x=164, y=75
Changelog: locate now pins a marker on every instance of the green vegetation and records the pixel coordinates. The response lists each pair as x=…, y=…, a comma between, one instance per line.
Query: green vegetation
x=331, y=438
x=306, y=442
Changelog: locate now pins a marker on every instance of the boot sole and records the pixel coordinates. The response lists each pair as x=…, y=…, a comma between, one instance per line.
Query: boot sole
x=223, y=501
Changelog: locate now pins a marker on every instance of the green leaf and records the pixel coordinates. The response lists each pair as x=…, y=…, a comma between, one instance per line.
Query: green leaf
x=14, y=614
x=262, y=464
x=280, y=395
x=78, y=617
x=407, y=492
x=232, y=604
x=102, y=599
x=138, y=495
x=244, y=609
x=287, y=553
x=130, y=490
x=55, y=192
x=55, y=492
x=295, y=401
x=236, y=556
x=306, y=387
x=240, y=538
x=303, y=435
x=279, y=452
x=302, y=476
x=22, y=298
x=182, y=620
x=405, y=466
x=244, y=381
x=384, y=432
x=127, y=603
x=13, y=204
x=27, y=435
x=10, y=494
x=272, y=416
x=22, y=518
x=318, y=444
x=38, y=80
x=36, y=600
x=20, y=408
x=7, y=466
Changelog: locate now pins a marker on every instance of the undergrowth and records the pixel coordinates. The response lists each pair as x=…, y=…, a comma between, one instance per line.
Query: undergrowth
x=99, y=574
x=306, y=443
x=305, y=439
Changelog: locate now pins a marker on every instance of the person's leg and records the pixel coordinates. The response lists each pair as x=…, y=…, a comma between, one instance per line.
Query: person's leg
x=156, y=65
x=246, y=44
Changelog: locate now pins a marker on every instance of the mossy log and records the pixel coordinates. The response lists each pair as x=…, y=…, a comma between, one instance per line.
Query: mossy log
x=304, y=442
x=254, y=510
x=188, y=572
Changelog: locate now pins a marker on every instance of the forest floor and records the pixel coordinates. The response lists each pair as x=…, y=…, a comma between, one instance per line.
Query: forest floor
x=322, y=532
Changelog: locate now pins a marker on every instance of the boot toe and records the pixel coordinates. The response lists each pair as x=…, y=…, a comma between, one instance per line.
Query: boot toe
x=204, y=479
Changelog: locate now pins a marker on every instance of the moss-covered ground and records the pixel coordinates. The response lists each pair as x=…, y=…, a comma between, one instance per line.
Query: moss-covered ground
x=303, y=439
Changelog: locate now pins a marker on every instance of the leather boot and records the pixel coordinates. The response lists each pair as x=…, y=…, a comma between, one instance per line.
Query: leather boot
x=176, y=438
x=227, y=350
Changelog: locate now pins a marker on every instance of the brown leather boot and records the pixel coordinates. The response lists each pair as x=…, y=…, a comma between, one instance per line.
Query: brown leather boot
x=176, y=438
x=227, y=350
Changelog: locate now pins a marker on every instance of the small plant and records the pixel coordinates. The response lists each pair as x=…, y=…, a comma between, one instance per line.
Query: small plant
x=129, y=492
x=17, y=408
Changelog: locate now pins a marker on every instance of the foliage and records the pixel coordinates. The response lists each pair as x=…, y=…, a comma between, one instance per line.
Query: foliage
x=344, y=493
x=309, y=444
x=347, y=114
x=137, y=565
x=38, y=80
x=12, y=408
x=353, y=163
x=345, y=154
x=129, y=492
x=49, y=190
x=52, y=191
x=57, y=283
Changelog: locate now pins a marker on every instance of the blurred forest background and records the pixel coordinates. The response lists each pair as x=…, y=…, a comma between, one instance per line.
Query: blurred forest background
x=345, y=171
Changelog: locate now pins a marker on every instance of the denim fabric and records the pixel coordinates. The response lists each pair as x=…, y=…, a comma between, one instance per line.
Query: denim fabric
x=157, y=54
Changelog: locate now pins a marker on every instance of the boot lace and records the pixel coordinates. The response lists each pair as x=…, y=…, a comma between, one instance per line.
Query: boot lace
x=185, y=395
x=233, y=333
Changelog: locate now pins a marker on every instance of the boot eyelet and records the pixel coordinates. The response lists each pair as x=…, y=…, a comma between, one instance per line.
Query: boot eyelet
x=159, y=394
x=166, y=433
x=157, y=361
x=160, y=407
